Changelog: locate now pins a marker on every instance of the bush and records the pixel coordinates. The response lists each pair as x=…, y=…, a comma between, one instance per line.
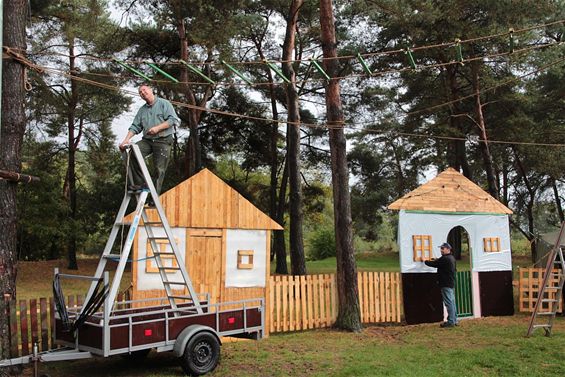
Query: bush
x=322, y=243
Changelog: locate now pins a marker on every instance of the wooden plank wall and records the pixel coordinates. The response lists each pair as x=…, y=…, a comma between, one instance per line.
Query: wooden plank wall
x=307, y=302
x=529, y=284
x=205, y=201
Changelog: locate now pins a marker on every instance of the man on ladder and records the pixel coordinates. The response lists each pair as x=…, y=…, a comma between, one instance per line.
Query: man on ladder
x=157, y=120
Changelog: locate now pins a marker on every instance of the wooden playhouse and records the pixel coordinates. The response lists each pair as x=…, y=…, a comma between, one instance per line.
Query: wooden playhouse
x=225, y=240
x=427, y=216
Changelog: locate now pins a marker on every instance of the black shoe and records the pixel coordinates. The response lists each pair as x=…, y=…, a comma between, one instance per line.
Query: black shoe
x=446, y=324
x=137, y=188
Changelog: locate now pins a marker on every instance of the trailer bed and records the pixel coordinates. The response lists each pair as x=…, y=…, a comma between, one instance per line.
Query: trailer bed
x=131, y=330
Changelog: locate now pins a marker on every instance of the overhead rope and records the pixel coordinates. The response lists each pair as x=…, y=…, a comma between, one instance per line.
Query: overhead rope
x=509, y=32
x=350, y=76
x=328, y=126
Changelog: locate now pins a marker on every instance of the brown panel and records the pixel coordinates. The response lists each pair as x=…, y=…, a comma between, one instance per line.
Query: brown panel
x=24, y=328
x=422, y=298
x=496, y=293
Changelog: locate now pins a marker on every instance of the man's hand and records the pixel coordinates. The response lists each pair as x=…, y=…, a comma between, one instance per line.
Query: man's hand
x=153, y=131
x=124, y=145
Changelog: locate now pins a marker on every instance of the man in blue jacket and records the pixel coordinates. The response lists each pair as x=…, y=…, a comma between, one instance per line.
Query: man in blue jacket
x=157, y=120
x=446, y=278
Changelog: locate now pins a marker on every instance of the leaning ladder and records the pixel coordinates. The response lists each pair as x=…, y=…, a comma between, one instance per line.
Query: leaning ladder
x=172, y=252
x=551, y=289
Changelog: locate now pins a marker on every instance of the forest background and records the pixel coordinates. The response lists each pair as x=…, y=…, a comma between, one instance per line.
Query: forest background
x=475, y=85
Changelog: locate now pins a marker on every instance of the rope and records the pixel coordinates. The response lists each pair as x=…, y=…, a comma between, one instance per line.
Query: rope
x=344, y=57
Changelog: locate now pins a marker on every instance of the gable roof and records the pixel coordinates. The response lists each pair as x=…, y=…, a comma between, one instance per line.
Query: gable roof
x=206, y=201
x=450, y=191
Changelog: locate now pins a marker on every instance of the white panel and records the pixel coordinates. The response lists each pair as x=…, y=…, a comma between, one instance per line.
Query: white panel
x=255, y=240
x=147, y=281
x=439, y=225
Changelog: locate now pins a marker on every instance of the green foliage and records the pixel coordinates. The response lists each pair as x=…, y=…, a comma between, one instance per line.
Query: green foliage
x=321, y=243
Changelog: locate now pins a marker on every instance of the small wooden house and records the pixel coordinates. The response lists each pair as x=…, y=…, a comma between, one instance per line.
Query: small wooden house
x=225, y=240
x=427, y=215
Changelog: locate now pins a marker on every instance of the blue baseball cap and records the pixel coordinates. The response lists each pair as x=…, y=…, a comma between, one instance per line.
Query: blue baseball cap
x=446, y=245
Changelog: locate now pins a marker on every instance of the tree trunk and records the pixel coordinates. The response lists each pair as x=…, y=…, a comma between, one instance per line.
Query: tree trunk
x=483, y=145
x=456, y=149
x=349, y=317
x=193, y=154
x=69, y=188
x=297, y=259
x=11, y=140
x=557, y=200
x=276, y=206
x=529, y=206
x=279, y=243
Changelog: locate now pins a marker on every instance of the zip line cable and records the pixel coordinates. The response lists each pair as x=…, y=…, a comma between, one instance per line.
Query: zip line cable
x=329, y=126
x=347, y=77
x=510, y=32
x=313, y=125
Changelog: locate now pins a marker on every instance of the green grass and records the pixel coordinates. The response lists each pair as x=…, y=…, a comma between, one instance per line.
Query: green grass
x=493, y=346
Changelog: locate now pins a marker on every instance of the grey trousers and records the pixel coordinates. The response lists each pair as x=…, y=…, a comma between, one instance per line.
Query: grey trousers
x=160, y=149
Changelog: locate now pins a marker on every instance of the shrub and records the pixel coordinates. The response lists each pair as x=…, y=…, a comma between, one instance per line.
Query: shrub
x=322, y=243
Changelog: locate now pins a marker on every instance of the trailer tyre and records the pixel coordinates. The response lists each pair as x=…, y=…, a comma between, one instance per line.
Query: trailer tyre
x=201, y=355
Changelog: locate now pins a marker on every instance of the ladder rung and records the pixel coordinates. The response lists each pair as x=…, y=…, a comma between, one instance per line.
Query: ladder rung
x=112, y=256
x=158, y=238
x=163, y=253
x=153, y=223
x=174, y=282
x=120, y=223
x=181, y=297
x=170, y=268
x=538, y=326
x=546, y=313
x=549, y=300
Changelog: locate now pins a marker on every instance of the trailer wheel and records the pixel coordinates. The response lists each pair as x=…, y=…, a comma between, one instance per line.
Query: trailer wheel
x=201, y=355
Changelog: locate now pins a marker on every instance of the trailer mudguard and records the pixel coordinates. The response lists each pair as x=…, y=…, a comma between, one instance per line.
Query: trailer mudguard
x=189, y=332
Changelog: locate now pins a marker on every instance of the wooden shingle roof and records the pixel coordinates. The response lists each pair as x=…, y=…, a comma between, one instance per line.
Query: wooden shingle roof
x=206, y=201
x=450, y=191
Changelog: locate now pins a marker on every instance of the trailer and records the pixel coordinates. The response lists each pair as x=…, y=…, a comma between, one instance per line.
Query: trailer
x=186, y=324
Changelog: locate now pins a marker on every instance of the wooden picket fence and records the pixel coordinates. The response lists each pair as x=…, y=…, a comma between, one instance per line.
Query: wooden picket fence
x=297, y=303
x=32, y=321
x=529, y=284
x=310, y=301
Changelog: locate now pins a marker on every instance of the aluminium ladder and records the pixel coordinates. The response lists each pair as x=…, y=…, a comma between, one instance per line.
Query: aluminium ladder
x=551, y=289
x=150, y=226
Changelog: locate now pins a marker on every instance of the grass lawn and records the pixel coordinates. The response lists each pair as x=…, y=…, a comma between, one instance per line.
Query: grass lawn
x=493, y=346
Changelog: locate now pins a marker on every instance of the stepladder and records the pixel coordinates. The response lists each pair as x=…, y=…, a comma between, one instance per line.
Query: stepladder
x=550, y=290
x=160, y=237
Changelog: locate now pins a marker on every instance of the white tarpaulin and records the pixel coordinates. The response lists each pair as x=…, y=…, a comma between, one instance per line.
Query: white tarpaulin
x=478, y=226
x=254, y=240
x=152, y=280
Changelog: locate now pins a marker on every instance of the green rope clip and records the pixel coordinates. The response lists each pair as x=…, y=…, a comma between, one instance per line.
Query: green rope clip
x=458, y=51
x=277, y=71
x=140, y=74
x=319, y=68
x=511, y=39
x=162, y=72
x=364, y=64
x=408, y=52
x=198, y=72
x=236, y=72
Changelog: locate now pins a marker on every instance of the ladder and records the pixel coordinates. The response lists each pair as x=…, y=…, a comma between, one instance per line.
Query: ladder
x=171, y=252
x=551, y=289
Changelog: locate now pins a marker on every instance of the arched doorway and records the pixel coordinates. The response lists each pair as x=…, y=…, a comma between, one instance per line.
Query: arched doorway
x=459, y=238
